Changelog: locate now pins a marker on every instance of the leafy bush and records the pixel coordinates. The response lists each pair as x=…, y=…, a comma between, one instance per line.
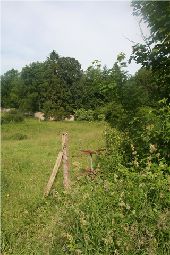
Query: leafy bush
x=82, y=114
x=54, y=111
x=99, y=113
x=114, y=154
x=146, y=132
x=116, y=116
x=126, y=213
x=150, y=131
x=125, y=209
x=13, y=116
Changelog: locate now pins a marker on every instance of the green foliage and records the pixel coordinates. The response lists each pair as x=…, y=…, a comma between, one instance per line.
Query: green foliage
x=139, y=90
x=114, y=154
x=151, y=126
x=116, y=115
x=58, y=86
x=121, y=208
x=125, y=214
x=56, y=80
x=52, y=110
x=83, y=114
x=91, y=115
x=9, y=86
x=99, y=113
x=124, y=210
x=154, y=54
x=10, y=117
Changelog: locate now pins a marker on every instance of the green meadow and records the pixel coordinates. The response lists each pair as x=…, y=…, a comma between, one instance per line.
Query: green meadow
x=29, y=151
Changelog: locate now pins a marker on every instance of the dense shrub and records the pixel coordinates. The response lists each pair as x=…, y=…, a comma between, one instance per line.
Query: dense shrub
x=116, y=115
x=126, y=213
x=99, y=113
x=13, y=116
x=150, y=131
x=51, y=110
x=125, y=209
x=146, y=131
x=83, y=114
x=90, y=115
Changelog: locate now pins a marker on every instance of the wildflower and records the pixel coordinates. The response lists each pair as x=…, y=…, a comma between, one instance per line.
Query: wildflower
x=122, y=204
x=142, y=184
x=161, y=164
x=108, y=240
x=86, y=238
x=83, y=222
x=118, y=243
x=113, y=221
x=134, y=152
x=136, y=163
x=149, y=127
x=161, y=195
x=68, y=236
x=76, y=210
x=132, y=147
x=106, y=185
x=127, y=206
x=152, y=148
x=78, y=251
x=50, y=235
x=122, y=194
x=115, y=177
x=85, y=196
x=158, y=155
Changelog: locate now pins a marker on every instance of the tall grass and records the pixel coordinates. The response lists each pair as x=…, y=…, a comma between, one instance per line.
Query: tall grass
x=28, y=220
x=121, y=210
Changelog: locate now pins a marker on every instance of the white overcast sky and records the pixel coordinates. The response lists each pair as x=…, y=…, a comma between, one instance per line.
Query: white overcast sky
x=85, y=30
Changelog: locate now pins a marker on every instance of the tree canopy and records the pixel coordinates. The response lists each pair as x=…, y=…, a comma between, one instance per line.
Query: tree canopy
x=155, y=53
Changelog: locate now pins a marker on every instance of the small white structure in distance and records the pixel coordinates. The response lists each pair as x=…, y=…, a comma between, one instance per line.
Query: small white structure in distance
x=5, y=110
x=70, y=118
x=39, y=115
x=51, y=118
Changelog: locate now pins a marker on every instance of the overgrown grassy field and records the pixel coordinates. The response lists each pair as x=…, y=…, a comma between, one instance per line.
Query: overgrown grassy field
x=29, y=150
x=123, y=210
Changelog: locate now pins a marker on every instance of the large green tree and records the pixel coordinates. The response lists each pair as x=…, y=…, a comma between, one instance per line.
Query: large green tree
x=155, y=53
x=32, y=77
x=10, y=82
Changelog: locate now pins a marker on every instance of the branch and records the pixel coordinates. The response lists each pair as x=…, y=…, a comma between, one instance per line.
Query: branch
x=144, y=37
x=129, y=40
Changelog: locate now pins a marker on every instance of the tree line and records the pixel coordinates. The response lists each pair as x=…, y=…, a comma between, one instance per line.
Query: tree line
x=59, y=87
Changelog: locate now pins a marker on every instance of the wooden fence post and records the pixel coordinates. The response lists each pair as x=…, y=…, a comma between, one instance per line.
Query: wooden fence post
x=53, y=175
x=66, y=181
x=62, y=157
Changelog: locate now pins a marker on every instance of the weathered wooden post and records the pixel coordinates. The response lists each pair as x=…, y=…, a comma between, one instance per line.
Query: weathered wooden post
x=62, y=157
x=54, y=173
x=66, y=176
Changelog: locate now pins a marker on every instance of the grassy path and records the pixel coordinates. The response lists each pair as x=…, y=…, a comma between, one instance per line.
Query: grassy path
x=28, y=219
